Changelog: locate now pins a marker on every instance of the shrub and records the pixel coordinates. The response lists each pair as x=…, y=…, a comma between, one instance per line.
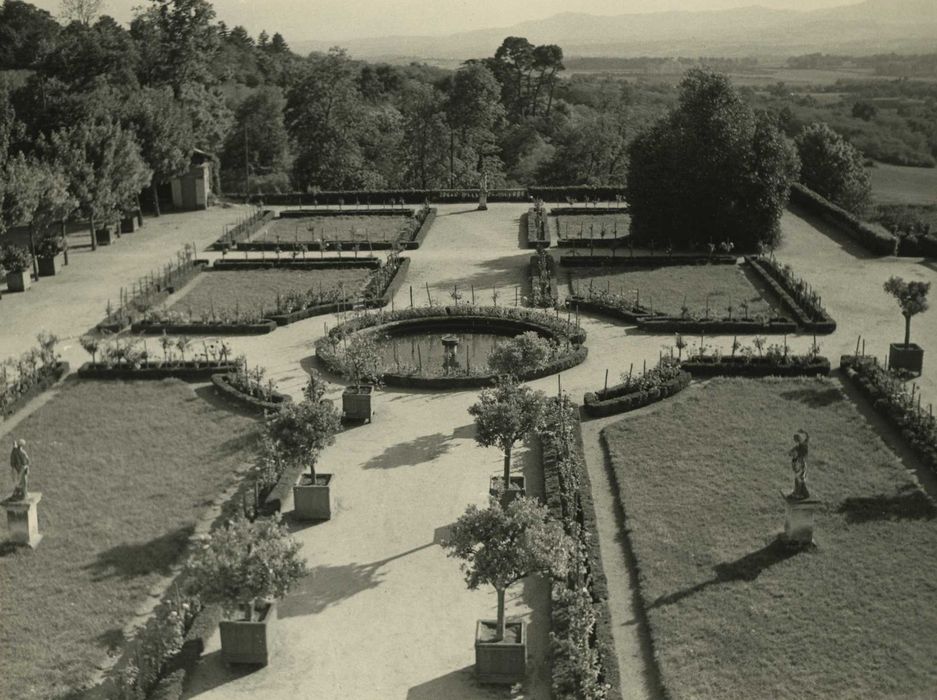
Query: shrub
x=522, y=353
x=302, y=430
x=15, y=258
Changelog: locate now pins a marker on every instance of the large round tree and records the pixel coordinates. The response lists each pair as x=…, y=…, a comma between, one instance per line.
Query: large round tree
x=711, y=171
x=833, y=167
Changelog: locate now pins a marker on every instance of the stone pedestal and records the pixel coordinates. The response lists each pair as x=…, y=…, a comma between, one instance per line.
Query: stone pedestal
x=799, y=520
x=23, y=519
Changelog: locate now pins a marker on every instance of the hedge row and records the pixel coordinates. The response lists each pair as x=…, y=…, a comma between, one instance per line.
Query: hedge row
x=815, y=320
x=47, y=377
x=606, y=402
x=224, y=386
x=588, y=211
x=301, y=264
x=892, y=401
x=568, y=494
x=357, y=211
x=189, y=371
x=662, y=260
x=543, y=289
x=873, y=237
x=201, y=328
x=743, y=366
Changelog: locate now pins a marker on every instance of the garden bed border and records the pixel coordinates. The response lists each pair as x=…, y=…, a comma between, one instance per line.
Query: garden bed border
x=757, y=367
x=225, y=389
x=607, y=402
x=189, y=370
x=52, y=377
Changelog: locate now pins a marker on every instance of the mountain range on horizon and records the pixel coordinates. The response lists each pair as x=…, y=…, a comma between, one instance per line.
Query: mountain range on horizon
x=871, y=26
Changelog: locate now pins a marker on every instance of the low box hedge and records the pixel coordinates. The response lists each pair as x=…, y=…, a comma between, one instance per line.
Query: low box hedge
x=225, y=388
x=661, y=260
x=189, y=371
x=873, y=237
x=356, y=211
x=815, y=320
x=298, y=264
x=46, y=378
x=198, y=328
x=742, y=366
x=588, y=211
x=243, y=231
x=607, y=402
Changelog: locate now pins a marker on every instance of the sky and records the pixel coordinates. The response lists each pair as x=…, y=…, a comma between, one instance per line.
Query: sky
x=300, y=20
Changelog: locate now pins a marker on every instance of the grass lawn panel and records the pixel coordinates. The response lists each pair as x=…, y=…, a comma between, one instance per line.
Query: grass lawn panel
x=665, y=288
x=734, y=614
x=898, y=184
x=336, y=228
x=253, y=290
x=569, y=226
x=125, y=470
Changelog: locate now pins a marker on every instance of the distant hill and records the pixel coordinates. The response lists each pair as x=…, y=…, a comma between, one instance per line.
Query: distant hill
x=873, y=26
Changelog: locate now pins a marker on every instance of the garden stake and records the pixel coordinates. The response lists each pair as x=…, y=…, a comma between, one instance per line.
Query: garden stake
x=411, y=296
x=428, y=297
x=419, y=354
x=606, y=379
x=473, y=295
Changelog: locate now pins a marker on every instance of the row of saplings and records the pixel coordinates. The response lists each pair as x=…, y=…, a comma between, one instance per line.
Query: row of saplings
x=246, y=565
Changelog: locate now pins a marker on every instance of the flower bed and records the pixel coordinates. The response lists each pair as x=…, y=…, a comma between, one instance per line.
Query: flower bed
x=889, y=398
x=768, y=366
x=538, y=233
x=298, y=264
x=584, y=664
x=148, y=327
x=543, y=290
x=647, y=388
x=15, y=395
x=357, y=211
x=796, y=296
x=230, y=387
x=872, y=237
x=243, y=231
x=189, y=370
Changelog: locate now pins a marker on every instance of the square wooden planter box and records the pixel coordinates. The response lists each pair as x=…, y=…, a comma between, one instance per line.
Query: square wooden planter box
x=19, y=281
x=104, y=235
x=516, y=488
x=356, y=402
x=244, y=642
x=909, y=357
x=49, y=266
x=313, y=501
x=129, y=223
x=502, y=662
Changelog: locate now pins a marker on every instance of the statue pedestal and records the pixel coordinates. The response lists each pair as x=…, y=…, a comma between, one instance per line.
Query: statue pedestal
x=23, y=519
x=799, y=520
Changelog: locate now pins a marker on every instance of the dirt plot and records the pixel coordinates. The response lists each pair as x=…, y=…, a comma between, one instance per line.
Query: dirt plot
x=250, y=291
x=668, y=289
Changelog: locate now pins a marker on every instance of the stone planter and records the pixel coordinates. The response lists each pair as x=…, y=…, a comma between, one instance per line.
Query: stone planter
x=48, y=266
x=909, y=357
x=19, y=281
x=516, y=487
x=356, y=402
x=246, y=642
x=503, y=662
x=104, y=235
x=313, y=501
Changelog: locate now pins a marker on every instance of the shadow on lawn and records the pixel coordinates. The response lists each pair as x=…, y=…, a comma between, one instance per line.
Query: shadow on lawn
x=748, y=568
x=814, y=398
x=132, y=560
x=911, y=504
x=407, y=454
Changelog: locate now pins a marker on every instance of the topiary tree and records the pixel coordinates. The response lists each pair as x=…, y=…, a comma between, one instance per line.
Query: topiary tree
x=302, y=430
x=499, y=546
x=244, y=562
x=504, y=415
x=912, y=299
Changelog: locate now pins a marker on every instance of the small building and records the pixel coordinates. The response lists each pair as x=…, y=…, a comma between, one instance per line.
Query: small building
x=192, y=190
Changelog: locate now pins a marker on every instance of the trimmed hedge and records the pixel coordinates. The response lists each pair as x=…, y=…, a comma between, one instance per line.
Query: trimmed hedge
x=198, y=328
x=572, y=504
x=306, y=213
x=580, y=211
x=188, y=371
x=582, y=304
x=662, y=260
x=49, y=376
x=873, y=237
x=464, y=194
x=816, y=319
x=741, y=366
x=227, y=390
x=294, y=264
x=606, y=402
x=889, y=398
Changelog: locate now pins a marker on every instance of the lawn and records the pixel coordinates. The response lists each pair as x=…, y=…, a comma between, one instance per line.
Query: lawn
x=666, y=289
x=125, y=471
x=896, y=184
x=352, y=229
x=591, y=226
x=734, y=614
x=248, y=293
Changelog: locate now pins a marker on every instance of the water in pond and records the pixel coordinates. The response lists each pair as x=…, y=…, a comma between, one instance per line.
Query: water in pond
x=424, y=353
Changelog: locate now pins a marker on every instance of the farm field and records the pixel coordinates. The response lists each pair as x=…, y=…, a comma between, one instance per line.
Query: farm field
x=854, y=617
x=251, y=292
x=667, y=289
x=126, y=470
x=354, y=229
x=895, y=184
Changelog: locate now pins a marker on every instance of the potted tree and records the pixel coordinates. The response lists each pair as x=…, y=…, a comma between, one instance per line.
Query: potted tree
x=499, y=546
x=363, y=362
x=912, y=300
x=17, y=261
x=245, y=566
x=47, y=251
x=504, y=415
x=301, y=431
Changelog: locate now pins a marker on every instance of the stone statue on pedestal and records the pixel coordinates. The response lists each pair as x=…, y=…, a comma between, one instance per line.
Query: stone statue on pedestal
x=483, y=193
x=798, y=455
x=19, y=469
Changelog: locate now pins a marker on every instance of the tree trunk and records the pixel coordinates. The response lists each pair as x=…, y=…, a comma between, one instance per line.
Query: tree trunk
x=507, y=468
x=502, y=621
x=249, y=610
x=32, y=250
x=139, y=212
x=907, y=331
x=156, y=211
x=94, y=235
x=64, y=241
